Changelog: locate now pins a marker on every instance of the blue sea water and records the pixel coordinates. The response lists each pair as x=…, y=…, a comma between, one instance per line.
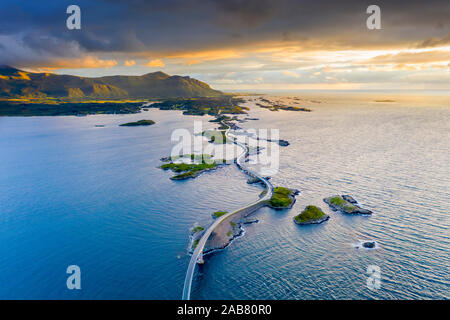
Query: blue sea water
x=73, y=193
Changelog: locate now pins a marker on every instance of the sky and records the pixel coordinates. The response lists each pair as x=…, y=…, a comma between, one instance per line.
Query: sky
x=247, y=45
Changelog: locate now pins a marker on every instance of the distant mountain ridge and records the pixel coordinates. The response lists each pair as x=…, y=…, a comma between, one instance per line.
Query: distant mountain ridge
x=15, y=83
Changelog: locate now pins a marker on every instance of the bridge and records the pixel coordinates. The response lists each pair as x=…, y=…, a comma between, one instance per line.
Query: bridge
x=197, y=255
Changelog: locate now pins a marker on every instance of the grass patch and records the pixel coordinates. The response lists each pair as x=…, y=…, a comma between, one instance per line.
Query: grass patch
x=310, y=213
x=197, y=229
x=233, y=224
x=195, y=244
x=218, y=214
x=280, y=197
x=229, y=233
x=339, y=201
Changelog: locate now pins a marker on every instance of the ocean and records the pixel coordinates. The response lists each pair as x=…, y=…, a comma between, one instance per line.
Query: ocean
x=72, y=193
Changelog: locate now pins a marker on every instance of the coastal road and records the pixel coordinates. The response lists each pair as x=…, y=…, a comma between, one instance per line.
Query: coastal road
x=198, y=251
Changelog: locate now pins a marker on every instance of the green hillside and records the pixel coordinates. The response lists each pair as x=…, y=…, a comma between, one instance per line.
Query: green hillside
x=15, y=83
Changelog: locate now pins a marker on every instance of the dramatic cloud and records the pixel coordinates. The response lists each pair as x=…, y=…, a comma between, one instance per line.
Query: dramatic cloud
x=283, y=41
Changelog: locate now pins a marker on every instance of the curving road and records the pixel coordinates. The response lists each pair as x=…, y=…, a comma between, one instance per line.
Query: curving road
x=197, y=255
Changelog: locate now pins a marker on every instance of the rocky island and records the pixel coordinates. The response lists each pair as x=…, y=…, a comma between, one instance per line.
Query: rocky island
x=311, y=215
x=346, y=204
x=282, y=198
x=276, y=106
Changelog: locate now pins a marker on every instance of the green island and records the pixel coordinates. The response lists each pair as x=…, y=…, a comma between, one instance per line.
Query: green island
x=311, y=215
x=282, y=198
x=218, y=214
x=189, y=170
x=138, y=123
x=345, y=204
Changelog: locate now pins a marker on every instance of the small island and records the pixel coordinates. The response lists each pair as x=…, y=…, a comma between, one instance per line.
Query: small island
x=282, y=198
x=138, y=123
x=311, y=215
x=346, y=204
x=369, y=244
x=199, y=164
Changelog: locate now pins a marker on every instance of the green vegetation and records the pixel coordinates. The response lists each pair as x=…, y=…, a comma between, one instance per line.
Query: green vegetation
x=59, y=108
x=340, y=202
x=310, y=213
x=195, y=244
x=197, y=229
x=214, y=106
x=193, y=157
x=218, y=214
x=138, y=123
x=229, y=233
x=201, y=162
x=46, y=94
x=281, y=197
x=233, y=224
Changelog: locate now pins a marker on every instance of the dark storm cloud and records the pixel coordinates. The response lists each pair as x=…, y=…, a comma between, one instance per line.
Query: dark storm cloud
x=35, y=30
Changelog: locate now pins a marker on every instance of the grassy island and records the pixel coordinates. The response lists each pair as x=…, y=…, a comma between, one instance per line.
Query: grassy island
x=281, y=198
x=218, y=214
x=340, y=202
x=138, y=123
x=345, y=204
x=201, y=163
x=311, y=214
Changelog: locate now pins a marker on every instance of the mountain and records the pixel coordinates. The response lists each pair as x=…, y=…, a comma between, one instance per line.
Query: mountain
x=15, y=83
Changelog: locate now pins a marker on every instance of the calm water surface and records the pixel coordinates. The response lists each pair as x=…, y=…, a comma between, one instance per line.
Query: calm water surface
x=73, y=193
